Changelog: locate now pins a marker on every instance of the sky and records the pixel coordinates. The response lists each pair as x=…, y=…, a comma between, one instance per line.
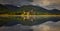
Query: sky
x=48, y=4
x=47, y=26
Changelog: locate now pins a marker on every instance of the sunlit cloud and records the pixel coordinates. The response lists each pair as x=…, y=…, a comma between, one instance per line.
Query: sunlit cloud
x=48, y=4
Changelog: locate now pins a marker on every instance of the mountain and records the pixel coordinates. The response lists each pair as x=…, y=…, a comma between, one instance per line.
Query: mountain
x=17, y=10
x=55, y=11
x=5, y=9
x=37, y=10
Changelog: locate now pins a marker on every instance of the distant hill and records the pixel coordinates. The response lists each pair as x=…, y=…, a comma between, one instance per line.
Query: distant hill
x=16, y=10
x=6, y=9
x=40, y=10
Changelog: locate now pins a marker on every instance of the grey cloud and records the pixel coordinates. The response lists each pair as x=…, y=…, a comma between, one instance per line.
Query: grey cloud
x=48, y=4
x=15, y=2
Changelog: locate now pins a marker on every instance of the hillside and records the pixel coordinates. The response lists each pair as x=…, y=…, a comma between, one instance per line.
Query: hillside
x=32, y=10
x=17, y=10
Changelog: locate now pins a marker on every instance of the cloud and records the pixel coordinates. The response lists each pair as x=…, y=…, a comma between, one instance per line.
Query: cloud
x=15, y=2
x=48, y=4
x=47, y=26
x=41, y=2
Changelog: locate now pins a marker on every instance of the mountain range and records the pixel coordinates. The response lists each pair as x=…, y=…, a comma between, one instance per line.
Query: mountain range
x=11, y=9
x=39, y=10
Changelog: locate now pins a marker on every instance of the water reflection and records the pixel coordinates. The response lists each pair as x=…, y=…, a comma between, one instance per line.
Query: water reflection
x=36, y=19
